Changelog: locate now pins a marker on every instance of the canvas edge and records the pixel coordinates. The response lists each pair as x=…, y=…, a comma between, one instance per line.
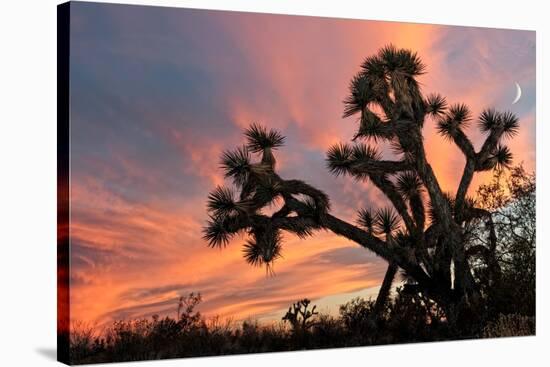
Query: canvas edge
x=63, y=182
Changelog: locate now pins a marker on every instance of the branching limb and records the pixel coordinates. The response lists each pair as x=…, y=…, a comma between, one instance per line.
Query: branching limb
x=465, y=181
x=491, y=154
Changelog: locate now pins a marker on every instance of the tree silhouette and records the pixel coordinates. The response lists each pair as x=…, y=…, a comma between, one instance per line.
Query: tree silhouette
x=299, y=317
x=423, y=233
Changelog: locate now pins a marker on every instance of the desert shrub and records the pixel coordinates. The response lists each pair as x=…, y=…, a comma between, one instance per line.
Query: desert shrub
x=84, y=341
x=407, y=317
x=328, y=332
x=249, y=336
x=356, y=315
x=510, y=196
x=275, y=338
x=413, y=317
x=217, y=335
x=128, y=340
x=510, y=325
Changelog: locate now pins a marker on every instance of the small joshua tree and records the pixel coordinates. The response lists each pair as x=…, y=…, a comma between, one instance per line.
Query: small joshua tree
x=299, y=317
x=423, y=233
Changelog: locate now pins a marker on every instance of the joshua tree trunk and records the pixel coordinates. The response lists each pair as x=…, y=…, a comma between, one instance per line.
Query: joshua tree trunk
x=385, y=289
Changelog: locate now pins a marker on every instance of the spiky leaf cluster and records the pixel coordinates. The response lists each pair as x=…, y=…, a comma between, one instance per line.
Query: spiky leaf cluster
x=215, y=232
x=361, y=94
x=401, y=60
x=387, y=80
x=345, y=159
x=236, y=165
x=263, y=248
x=499, y=158
x=365, y=219
x=221, y=203
x=339, y=159
x=436, y=105
x=372, y=127
x=259, y=138
x=454, y=121
x=502, y=157
x=386, y=222
x=409, y=184
x=491, y=120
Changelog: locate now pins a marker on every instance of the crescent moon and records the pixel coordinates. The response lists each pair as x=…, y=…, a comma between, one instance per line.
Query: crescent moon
x=518, y=93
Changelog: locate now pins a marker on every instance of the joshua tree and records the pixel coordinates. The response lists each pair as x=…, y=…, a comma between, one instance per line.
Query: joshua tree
x=299, y=317
x=423, y=234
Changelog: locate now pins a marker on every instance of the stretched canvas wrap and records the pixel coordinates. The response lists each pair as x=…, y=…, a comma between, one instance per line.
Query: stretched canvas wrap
x=232, y=182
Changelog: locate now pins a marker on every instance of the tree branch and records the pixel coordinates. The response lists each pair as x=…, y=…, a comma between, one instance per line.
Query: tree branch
x=474, y=162
x=488, y=147
x=424, y=170
x=368, y=166
x=465, y=181
x=371, y=126
x=463, y=143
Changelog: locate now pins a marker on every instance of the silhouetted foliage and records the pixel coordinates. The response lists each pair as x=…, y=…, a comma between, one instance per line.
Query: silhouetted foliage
x=509, y=281
x=407, y=317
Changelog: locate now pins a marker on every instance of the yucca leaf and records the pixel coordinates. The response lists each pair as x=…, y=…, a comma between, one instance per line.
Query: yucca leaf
x=221, y=202
x=503, y=157
x=386, y=221
x=436, y=105
x=263, y=249
x=460, y=114
x=489, y=119
x=259, y=138
x=510, y=124
x=402, y=60
x=236, y=165
x=372, y=127
x=373, y=67
x=265, y=193
x=363, y=152
x=446, y=127
x=365, y=219
x=358, y=98
x=339, y=159
x=215, y=233
x=409, y=184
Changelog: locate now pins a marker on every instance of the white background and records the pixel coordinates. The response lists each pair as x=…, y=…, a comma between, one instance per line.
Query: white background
x=28, y=182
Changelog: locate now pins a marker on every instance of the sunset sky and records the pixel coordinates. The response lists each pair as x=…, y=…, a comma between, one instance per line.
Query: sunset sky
x=158, y=93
